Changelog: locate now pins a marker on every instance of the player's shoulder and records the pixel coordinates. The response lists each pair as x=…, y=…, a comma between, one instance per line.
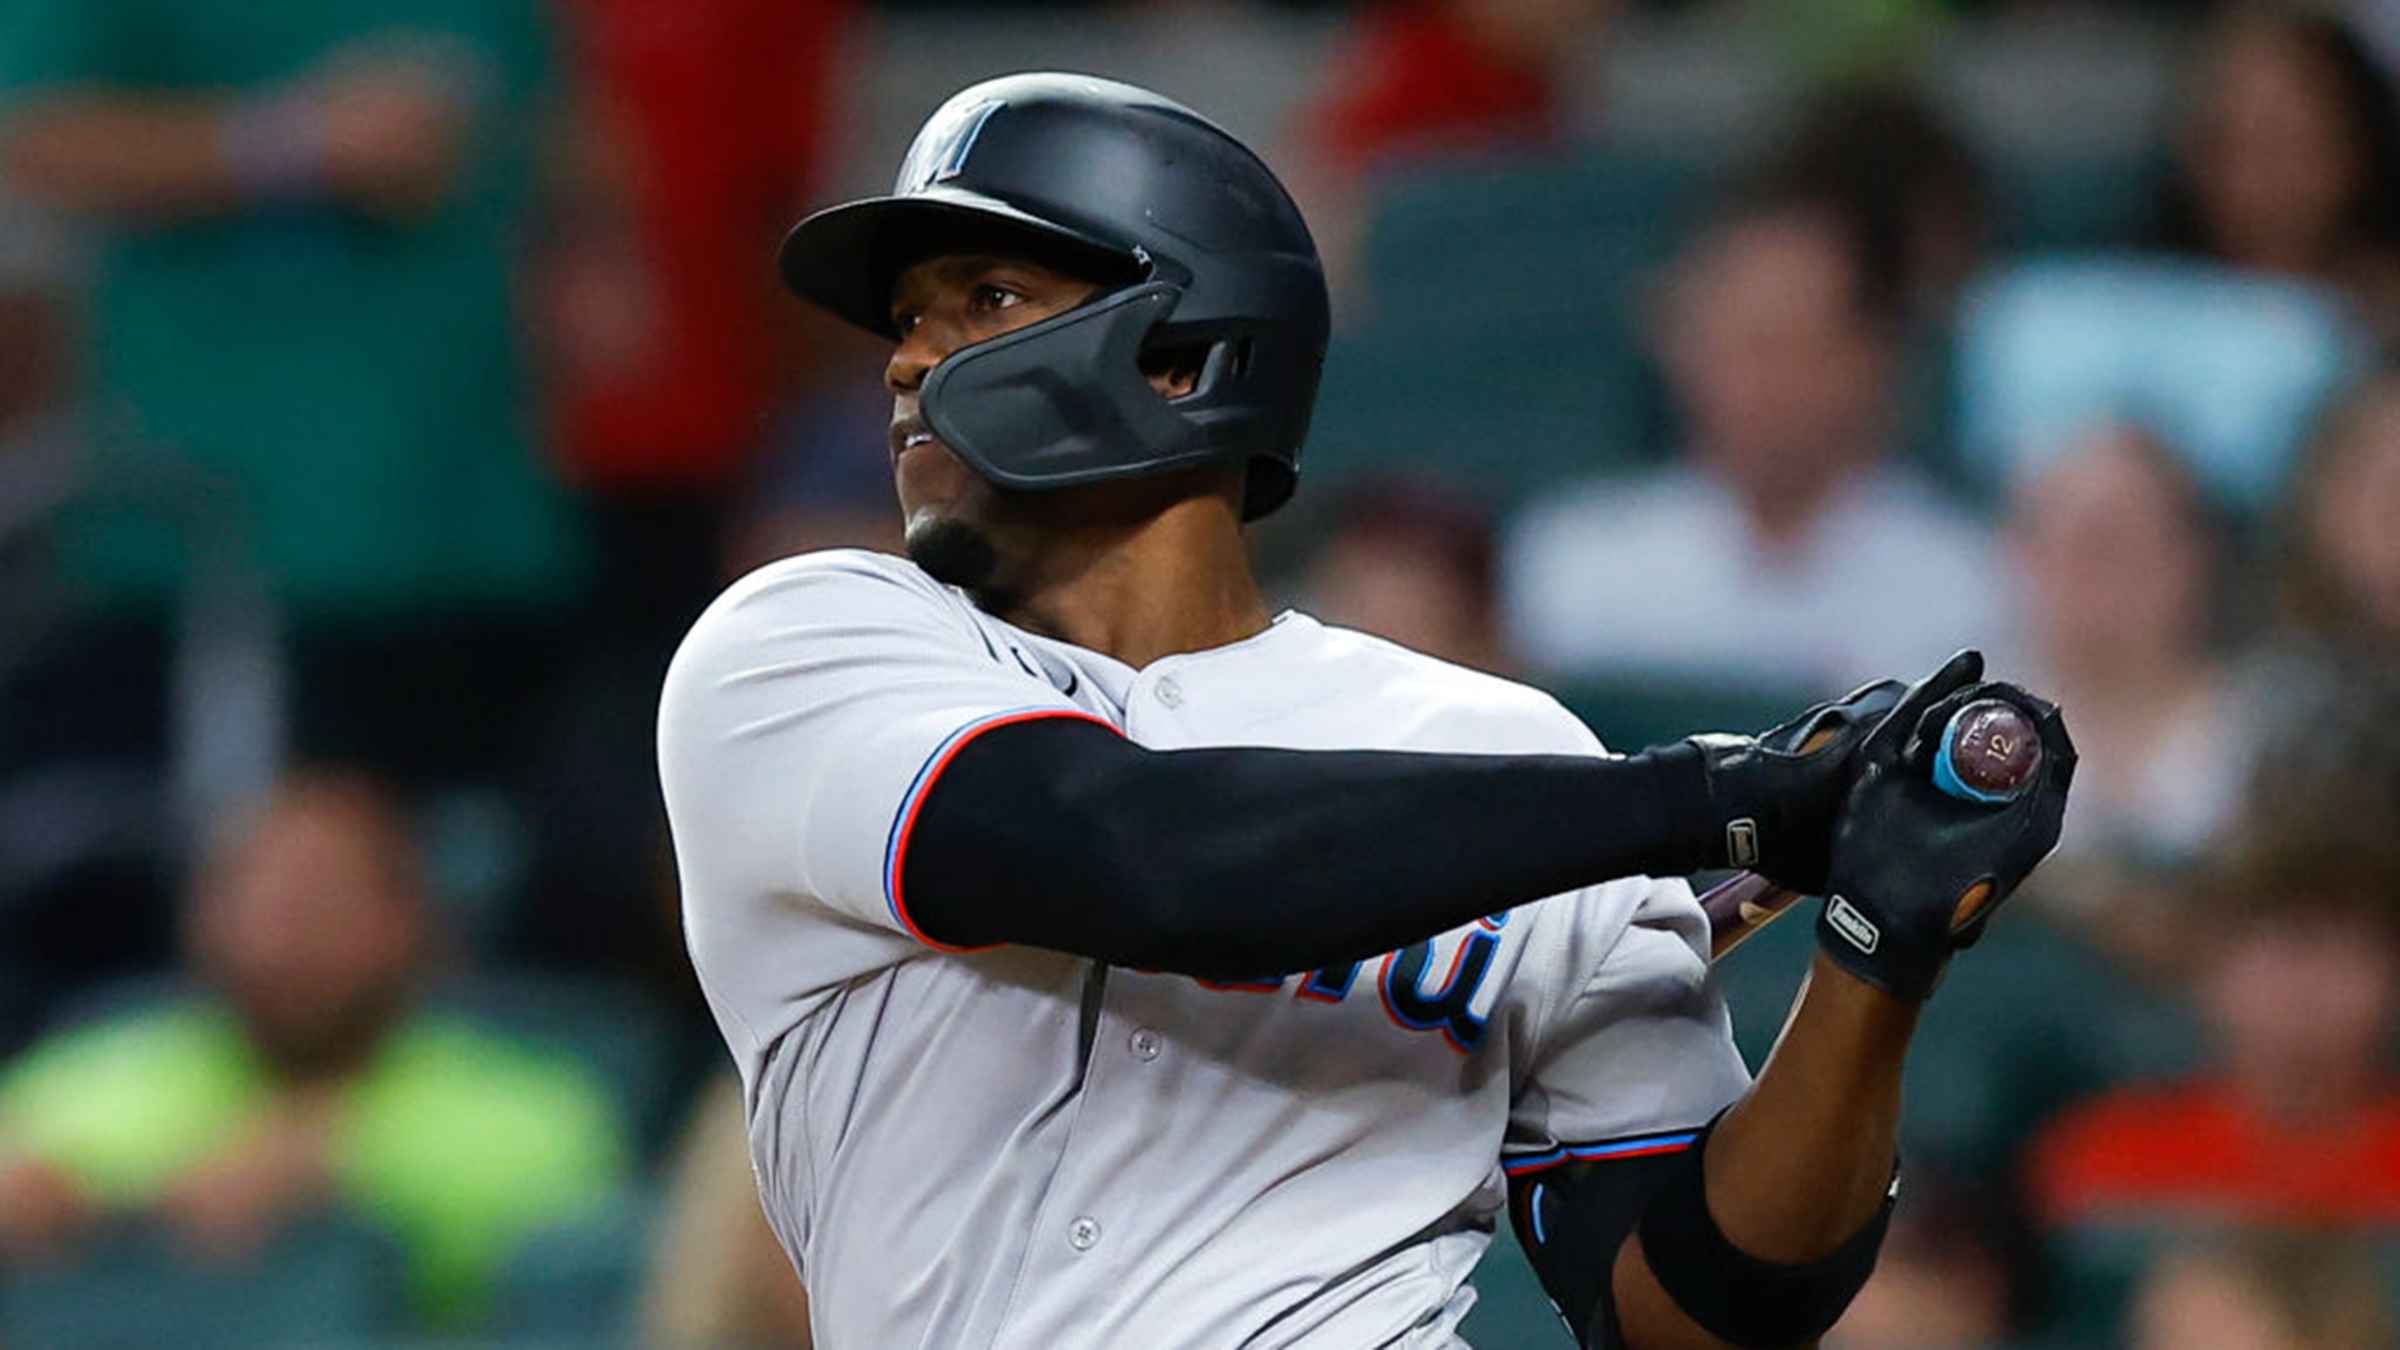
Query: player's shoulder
x=820, y=605
x=832, y=575
x=1486, y=711
x=831, y=592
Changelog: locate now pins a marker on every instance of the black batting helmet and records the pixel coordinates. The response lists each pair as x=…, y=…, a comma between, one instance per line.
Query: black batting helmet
x=1198, y=248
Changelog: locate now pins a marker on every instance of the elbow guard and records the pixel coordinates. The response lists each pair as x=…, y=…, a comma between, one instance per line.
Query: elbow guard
x=1734, y=1295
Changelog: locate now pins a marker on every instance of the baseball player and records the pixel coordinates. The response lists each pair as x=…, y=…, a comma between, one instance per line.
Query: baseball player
x=1111, y=963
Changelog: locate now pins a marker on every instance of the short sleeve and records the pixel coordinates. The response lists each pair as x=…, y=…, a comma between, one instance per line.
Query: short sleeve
x=802, y=723
x=1641, y=1052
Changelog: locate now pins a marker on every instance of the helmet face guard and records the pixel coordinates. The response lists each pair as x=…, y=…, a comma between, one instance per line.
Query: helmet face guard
x=1196, y=246
x=1061, y=402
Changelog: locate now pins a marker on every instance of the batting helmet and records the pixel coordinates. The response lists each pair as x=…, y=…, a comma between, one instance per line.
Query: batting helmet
x=1199, y=251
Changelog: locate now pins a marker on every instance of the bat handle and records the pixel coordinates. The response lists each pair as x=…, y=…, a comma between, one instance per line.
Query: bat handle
x=1738, y=907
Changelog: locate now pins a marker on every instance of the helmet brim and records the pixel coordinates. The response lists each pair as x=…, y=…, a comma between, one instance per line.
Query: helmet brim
x=847, y=258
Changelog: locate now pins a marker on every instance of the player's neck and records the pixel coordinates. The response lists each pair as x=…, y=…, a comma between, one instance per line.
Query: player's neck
x=1179, y=581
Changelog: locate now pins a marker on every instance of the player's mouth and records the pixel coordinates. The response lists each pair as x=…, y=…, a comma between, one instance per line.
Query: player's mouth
x=907, y=434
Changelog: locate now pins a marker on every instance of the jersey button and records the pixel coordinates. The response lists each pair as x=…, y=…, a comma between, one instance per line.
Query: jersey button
x=1084, y=1233
x=1145, y=1044
x=1169, y=692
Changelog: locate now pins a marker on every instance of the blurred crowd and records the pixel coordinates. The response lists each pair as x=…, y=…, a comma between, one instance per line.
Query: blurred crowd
x=385, y=387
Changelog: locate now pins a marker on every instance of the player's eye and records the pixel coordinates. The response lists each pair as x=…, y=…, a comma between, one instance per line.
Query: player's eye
x=988, y=298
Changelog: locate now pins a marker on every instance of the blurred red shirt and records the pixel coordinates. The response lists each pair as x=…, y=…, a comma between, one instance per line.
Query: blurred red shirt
x=2197, y=1149
x=1420, y=78
x=723, y=109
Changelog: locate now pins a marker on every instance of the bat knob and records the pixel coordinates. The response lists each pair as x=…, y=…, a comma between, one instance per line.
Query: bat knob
x=1988, y=752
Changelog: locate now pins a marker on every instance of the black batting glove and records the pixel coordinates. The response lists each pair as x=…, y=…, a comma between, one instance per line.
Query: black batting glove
x=1909, y=859
x=1767, y=804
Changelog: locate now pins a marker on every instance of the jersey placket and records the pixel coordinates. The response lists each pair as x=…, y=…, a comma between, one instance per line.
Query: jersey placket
x=1071, y=1243
x=1070, y=1256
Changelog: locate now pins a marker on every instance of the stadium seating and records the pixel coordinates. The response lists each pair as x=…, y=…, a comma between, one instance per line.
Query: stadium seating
x=576, y=1283
x=332, y=1280
x=1500, y=341
x=1497, y=337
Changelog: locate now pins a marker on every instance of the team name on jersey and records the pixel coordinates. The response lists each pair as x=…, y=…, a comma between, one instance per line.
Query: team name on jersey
x=1411, y=1002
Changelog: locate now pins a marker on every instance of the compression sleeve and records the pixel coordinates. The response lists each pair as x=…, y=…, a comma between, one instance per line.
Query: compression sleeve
x=1231, y=863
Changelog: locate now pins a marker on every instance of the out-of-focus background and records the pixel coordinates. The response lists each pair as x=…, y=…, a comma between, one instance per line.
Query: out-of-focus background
x=385, y=385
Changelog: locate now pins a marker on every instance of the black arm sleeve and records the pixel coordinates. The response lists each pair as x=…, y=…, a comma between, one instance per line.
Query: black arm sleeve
x=1251, y=862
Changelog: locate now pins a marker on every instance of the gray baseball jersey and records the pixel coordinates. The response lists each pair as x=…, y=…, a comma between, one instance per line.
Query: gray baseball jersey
x=1019, y=1148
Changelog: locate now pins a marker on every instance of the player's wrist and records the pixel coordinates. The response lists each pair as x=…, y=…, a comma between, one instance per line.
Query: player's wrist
x=1866, y=943
x=1736, y=803
x=1692, y=837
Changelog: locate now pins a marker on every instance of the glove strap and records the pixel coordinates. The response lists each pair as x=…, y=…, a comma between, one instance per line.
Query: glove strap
x=1695, y=836
x=1878, y=952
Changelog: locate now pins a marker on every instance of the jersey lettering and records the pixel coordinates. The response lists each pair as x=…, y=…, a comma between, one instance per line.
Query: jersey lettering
x=1330, y=985
x=1448, y=1008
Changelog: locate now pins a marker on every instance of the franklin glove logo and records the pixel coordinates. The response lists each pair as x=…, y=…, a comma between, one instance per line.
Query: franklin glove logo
x=1855, y=928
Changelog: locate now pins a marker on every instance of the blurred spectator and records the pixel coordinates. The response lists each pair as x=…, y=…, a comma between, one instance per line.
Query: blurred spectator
x=1786, y=548
x=304, y=341
x=820, y=481
x=2116, y=559
x=1942, y=1280
x=673, y=344
x=2265, y=1290
x=1412, y=562
x=1905, y=174
x=2289, y=159
x=1442, y=76
x=670, y=343
x=1428, y=79
x=2341, y=561
x=34, y=272
x=2298, y=1121
x=2230, y=368
x=2279, y=272
x=719, y=1279
x=2330, y=663
x=300, y=1075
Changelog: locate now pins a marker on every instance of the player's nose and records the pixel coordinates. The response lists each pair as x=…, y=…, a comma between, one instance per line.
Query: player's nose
x=904, y=373
x=918, y=353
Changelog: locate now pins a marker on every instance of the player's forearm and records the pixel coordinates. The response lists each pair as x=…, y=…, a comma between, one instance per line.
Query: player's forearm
x=1249, y=862
x=145, y=154
x=1805, y=1157
x=1803, y=1163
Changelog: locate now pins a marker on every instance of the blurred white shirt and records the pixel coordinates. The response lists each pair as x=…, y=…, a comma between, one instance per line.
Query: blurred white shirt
x=1663, y=576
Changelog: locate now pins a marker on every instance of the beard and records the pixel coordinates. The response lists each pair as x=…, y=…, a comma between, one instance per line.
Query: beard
x=953, y=552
